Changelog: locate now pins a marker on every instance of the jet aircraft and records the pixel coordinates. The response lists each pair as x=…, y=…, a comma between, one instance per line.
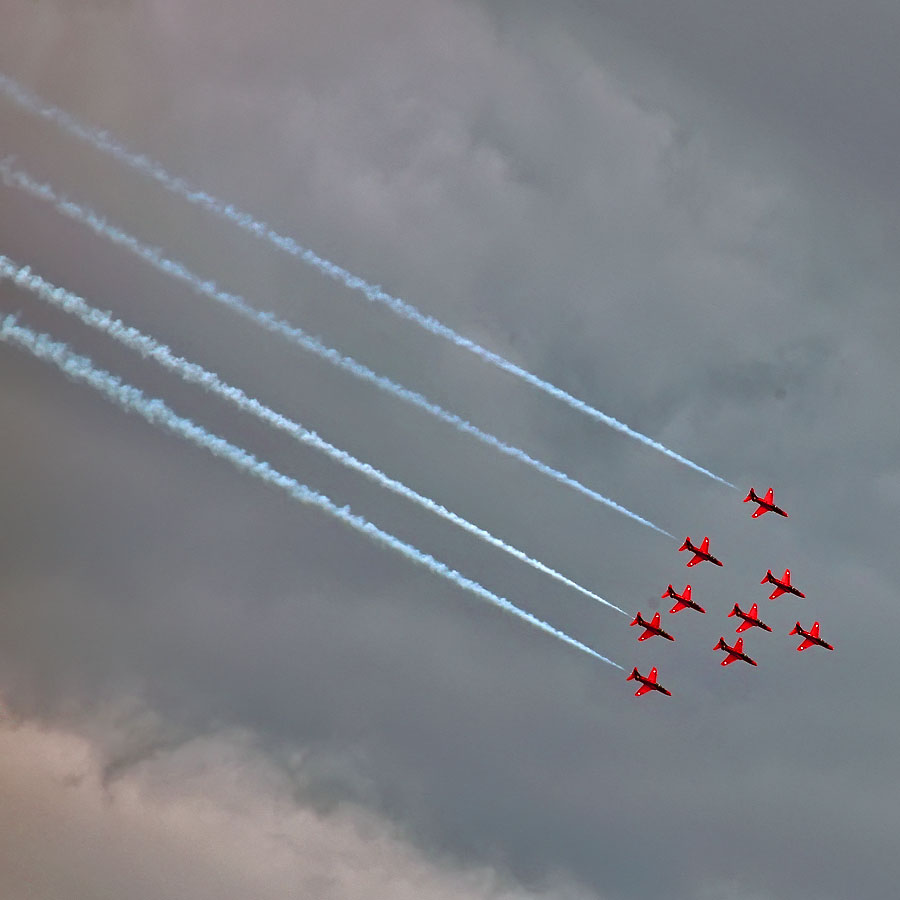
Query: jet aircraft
x=648, y=683
x=652, y=628
x=701, y=553
x=734, y=653
x=782, y=586
x=749, y=618
x=684, y=600
x=764, y=504
x=811, y=637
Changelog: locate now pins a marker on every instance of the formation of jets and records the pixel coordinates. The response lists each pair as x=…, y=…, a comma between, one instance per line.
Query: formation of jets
x=748, y=620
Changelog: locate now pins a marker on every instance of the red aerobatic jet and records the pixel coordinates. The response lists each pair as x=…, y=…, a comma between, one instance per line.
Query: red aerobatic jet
x=684, y=600
x=701, y=553
x=734, y=653
x=782, y=586
x=648, y=683
x=764, y=504
x=652, y=628
x=811, y=637
x=750, y=619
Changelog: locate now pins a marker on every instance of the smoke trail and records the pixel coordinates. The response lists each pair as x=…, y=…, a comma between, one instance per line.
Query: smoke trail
x=208, y=289
x=102, y=140
x=195, y=374
x=156, y=412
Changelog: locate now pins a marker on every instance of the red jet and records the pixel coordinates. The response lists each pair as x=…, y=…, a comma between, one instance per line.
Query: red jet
x=812, y=638
x=783, y=586
x=648, y=683
x=734, y=653
x=701, y=553
x=684, y=600
x=750, y=619
x=764, y=504
x=652, y=628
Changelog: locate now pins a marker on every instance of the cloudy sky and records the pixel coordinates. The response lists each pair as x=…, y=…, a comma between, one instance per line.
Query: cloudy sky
x=685, y=214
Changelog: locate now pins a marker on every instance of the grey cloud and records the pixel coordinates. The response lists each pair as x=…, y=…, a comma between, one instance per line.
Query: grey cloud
x=632, y=224
x=207, y=820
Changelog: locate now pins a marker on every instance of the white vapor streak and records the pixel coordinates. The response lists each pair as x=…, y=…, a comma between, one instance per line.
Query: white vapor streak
x=195, y=374
x=22, y=181
x=156, y=412
x=102, y=140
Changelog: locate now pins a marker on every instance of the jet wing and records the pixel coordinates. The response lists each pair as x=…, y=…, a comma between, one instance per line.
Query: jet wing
x=743, y=626
x=770, y=496
x=806, y=645
x=760, y=511
x=697, y=559
x=777, y=593
x=814, y=631
x=643, y=689
x=729, y=660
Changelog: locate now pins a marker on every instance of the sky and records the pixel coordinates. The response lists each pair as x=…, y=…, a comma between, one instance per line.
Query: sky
x=683, y=214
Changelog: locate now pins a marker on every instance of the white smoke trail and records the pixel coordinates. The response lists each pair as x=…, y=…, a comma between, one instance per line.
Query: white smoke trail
x=156, y=412
x=195, y=374
x=102, y=140
x=206, y=288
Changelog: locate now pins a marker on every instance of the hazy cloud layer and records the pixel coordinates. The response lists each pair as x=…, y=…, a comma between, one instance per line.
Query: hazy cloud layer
x=212, y=818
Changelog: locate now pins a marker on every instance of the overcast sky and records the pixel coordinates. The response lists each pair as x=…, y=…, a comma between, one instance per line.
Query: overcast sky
x=685, y=214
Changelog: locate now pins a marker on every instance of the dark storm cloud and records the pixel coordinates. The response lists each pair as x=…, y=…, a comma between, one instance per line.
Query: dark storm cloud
x=616, y=204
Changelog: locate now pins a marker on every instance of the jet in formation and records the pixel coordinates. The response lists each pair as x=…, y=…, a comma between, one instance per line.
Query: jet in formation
x=782, y=586
x=652, y=628
x=811, y=637
x=701, y=553
x=734, y=653
x=764, y=504
x=684, y=600
x=749, y=618
x=648, y=682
